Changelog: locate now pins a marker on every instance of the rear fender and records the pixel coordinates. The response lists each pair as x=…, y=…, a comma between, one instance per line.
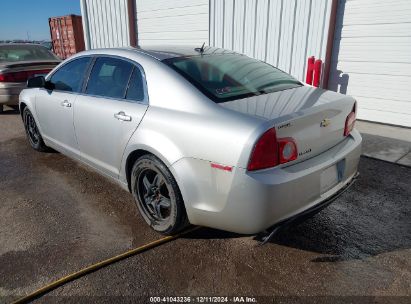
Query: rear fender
x=153, y=142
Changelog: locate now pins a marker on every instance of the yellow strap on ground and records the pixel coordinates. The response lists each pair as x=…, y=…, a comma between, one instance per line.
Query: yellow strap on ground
x=41, y=291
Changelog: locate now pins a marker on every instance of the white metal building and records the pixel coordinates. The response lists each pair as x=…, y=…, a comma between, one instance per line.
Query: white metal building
x=372, y=58
x=365, y=44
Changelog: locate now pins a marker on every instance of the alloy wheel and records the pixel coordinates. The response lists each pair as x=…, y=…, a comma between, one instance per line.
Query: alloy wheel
x=154, y=195
x=32, y=130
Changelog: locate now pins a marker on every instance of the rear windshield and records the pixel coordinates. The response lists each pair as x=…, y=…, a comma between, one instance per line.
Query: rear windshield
x=13, y=53
x=224, y=77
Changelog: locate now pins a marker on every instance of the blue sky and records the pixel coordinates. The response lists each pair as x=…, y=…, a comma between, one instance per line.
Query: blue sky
x=17, y=17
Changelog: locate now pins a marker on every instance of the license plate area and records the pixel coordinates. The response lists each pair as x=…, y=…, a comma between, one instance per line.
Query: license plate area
x=331, y=176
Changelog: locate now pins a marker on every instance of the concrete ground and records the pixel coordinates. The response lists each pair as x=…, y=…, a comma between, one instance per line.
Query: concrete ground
x=57, y=216
x=388, y=143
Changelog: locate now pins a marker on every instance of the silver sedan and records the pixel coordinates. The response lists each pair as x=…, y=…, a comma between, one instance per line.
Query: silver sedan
x=198, y=135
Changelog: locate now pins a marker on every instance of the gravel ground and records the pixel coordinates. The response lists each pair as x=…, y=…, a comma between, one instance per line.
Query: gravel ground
x=58, y=216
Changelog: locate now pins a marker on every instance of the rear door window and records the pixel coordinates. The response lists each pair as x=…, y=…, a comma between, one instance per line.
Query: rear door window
x=109, y=77
x=135, y=89
x=70, y=76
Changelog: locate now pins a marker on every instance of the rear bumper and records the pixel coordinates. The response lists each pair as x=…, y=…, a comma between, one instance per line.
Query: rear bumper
x=249, y=202
x=318, y=207
x=9, y=93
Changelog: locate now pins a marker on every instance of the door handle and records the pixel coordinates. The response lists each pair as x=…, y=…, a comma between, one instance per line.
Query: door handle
x=122, y=116
x=65, y=103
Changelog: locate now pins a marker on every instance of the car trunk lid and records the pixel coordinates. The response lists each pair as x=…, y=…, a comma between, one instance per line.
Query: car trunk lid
x=21, y=71
x=28, y=64
x=313, y=117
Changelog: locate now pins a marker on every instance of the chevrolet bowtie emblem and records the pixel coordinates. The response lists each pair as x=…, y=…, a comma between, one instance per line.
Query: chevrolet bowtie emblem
x=325, y=122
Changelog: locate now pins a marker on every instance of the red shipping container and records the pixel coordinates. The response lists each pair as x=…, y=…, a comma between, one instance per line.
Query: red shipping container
x=67, y=35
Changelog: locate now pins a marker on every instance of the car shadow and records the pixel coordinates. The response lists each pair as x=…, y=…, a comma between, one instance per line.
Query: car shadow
x=10, y=111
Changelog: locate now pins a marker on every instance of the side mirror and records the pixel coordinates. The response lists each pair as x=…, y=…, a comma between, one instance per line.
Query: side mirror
x=36, y=82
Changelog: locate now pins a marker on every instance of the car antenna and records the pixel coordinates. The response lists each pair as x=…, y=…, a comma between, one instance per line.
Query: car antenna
x=201, y=50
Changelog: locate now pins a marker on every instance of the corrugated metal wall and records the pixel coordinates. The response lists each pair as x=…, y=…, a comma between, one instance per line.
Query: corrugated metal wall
x=372, y=58
x=281, y=32
x=172, y=21
x=106, y=23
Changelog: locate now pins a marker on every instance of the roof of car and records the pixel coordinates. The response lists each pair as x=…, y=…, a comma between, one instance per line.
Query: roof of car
x=162, y=52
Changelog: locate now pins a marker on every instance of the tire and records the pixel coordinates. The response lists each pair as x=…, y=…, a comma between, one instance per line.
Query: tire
x=157, y=195
x=32, y=132
x=1, y=108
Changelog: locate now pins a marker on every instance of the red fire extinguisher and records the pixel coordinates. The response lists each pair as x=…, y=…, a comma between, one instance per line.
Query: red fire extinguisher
x=313, y=76
x=310, y=70
x=317, y=72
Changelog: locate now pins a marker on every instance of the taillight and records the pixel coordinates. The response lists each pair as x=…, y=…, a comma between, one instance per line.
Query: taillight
x=350, y=121
x=288, y=150
x=265, y=152
x=269, y=152
x=21, y=76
